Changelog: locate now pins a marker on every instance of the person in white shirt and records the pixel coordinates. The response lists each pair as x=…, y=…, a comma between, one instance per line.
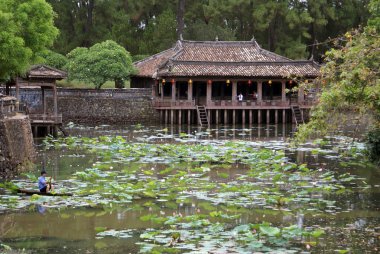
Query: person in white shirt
x=240, y=97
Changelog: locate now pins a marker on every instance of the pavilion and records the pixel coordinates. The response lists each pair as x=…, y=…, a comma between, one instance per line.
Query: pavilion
x=45, y=120
x=235, y=81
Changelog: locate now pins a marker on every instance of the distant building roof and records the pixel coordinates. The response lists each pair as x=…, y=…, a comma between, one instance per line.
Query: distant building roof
x=44, y=71
x=222, y=59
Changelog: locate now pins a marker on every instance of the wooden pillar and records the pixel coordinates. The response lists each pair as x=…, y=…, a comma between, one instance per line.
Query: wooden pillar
x=217, y=116
x=283, y=93
x=35, y=133
x=268, y=116
x=250, y=116
x=180, y=117
x=259, y=118
x=17, y=90
x=55, y=98
x=173, y=92
x=284, y=116
x=171, y=116
x=208, y=93
x=162, y=116
x=189, y=91
x=259, y=91
x=188, y=116
x=154, y=88
x=259, y=131
x=276, y=116
x=301, y=95
x=43, y=100
x=243, y=117
x=234, y=92
x=225, y=119
x=166, y=116
x=233, y=116
x=162, y=92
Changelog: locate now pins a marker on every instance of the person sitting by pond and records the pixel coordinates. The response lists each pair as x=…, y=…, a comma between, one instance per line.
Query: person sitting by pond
x=240, y=97
x=43, y=185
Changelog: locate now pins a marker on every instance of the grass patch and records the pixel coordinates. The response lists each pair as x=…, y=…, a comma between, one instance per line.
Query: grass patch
x=78, y=84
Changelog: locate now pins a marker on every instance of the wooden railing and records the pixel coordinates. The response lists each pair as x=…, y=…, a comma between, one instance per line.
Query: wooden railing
x=229, y=103
x=179, y=103
x=45, y=118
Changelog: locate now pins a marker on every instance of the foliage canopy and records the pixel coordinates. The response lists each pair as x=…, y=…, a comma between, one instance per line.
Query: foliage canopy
x=351, y=81
x=26, y=29
x=290, y=28
x=100, y=63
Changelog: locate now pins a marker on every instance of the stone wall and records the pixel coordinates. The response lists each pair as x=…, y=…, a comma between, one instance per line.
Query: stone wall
x=16, y=145
x=105, y=106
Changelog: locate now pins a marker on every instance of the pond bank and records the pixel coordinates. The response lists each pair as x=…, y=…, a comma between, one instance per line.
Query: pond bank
x=16, y=145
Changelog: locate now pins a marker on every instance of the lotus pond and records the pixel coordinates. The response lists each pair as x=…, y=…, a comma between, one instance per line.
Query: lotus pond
x=187, y=190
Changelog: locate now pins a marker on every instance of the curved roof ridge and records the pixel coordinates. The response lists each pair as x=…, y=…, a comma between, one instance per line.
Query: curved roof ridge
x=252, y=42
x=245, y=62
x=153, y=56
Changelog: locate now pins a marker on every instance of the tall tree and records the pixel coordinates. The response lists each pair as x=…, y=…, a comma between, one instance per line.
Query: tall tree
x=26, y=29
x=106, y=61
x=351, y=80
x=160, y=34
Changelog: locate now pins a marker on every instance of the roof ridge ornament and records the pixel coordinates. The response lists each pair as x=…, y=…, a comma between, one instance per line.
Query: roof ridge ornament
x=253, y=40
x=178, y=45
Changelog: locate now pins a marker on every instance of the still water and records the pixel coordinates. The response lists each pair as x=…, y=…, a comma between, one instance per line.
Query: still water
x=352, y=224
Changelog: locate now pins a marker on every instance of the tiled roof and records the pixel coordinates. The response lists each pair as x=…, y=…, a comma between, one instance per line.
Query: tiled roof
x=222, y=59
x=225, y=51
x=241, y=69
x=44, y=71
x=148, y=66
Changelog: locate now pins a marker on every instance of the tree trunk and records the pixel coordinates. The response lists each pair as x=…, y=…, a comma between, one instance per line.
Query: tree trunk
x=89, y=21
x=180, y=19
x=119, y=83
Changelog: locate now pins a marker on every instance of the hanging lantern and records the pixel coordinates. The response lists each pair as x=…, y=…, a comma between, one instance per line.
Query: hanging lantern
x=173, y=81
x=228, y=82
x=290, y=81
x=209, y=82
x=163, y=81
x=270, y=82
x=249, y=82
x=190, y=82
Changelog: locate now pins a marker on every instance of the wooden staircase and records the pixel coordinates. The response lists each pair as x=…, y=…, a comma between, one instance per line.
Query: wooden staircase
x=297, y=114
x=202, y=116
